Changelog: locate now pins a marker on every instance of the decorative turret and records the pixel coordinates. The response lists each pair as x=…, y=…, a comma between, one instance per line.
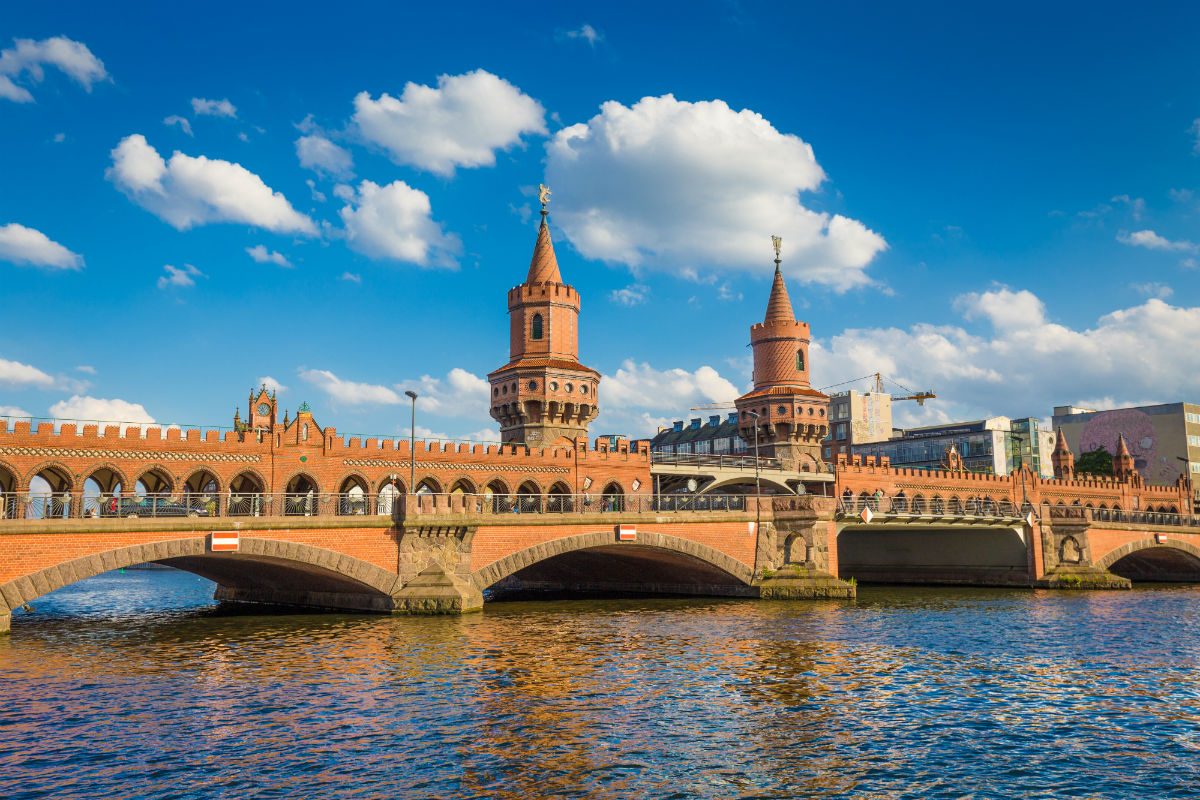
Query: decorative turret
x=1123, y=466
x=952, y=460
x=263, y=410
x=543, y=395
x=791, y=416
x=1062, y=458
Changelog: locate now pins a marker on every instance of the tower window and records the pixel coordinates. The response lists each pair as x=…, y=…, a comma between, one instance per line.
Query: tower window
x=304, y=431
x=800, y=360
x=537, y=326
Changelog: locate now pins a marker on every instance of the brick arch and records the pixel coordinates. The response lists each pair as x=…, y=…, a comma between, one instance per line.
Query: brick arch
x=1129, y=548
x=122, y=477
x=32, y=586
x=258, y=476
x=297, y=473
x=765, y=480
x=16, y=475
x=163, y=470
x=356, y=476
x=221, y=482
x=499, y=570
x=42, y=467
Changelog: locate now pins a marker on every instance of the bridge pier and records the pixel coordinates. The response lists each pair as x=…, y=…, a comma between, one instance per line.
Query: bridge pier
x=797, y=553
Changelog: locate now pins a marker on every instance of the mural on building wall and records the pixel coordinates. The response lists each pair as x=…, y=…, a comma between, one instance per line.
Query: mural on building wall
x=1103, y=429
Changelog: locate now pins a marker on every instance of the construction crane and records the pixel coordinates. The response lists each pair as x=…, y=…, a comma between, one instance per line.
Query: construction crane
x=920, y=397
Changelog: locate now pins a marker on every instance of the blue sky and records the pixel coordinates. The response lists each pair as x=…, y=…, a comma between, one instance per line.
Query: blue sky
x=998, y=204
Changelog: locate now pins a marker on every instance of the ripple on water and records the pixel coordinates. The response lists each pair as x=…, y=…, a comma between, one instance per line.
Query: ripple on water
x=134, y=685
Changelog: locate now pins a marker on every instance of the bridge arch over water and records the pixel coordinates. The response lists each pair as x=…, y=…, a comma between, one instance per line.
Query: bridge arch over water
x=264, y=570
x=1168, y=561
x=656, y=563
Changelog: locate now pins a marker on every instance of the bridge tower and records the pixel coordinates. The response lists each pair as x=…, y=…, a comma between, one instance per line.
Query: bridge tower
x=1124, y=468
x=543, y=396
x=1062, y=458
x=791, y=416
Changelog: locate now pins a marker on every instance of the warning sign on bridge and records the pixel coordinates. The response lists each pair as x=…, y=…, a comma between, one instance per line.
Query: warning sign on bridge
x=223, y=541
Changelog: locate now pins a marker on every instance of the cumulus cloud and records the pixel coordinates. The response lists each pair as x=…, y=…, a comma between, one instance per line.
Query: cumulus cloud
x=98, y=409
x=1021, y=363
x=195, y=190
x=27, y=59
x=26, y=246
x=459, y=394
x=461, y=122
x=14, y=374
x=13, y=411
x=351, y=393
x=179, y=277
x=262, y=255
x=669, y=184
x=182, y=122
x=271, y=384
x=639, y=398
x=483, y=435
x=213, y=108
x=1153, y=241
x=395, y=222
x=632, y=295
x=323, y=156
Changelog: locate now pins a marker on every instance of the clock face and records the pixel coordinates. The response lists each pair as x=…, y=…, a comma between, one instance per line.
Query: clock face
x=264, y=409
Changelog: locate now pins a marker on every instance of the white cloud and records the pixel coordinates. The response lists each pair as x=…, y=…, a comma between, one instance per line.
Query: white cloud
x=60, y=137
x=349, y=393
x=668, y=184
x=187, y=191
x=587, y=33
x=182, y=122
x=632, y=295
x=213, y=108
x=262, y=255
x=351, y=277
x=484, y=435
x=1152, y=241
x=96, y=409
x=21, y=245
x=86, y=369
x=395, y=222
x=317, y=194
x=179, y=277
x=323, y=156
x=271, y=384
x=640, y=386
x=460, y=123
x=14, y=374
x=459, y=394
x=1023, y=364
x=29, y=57
x=13, y=411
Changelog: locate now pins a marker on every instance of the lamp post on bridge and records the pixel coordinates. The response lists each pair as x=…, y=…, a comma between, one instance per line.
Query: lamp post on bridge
x=412, y=443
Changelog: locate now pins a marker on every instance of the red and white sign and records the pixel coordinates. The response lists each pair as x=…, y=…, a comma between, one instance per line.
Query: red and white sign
x=626, y=533
x=1160, y=537
x=223, y=541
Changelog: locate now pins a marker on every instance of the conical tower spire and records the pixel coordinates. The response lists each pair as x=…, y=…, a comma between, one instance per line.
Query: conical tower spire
x=779, y=307
x=1123, y=464
x=544, y=266
x=1062, y=458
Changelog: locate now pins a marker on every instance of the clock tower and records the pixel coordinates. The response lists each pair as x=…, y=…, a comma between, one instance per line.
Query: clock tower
x=263, y=410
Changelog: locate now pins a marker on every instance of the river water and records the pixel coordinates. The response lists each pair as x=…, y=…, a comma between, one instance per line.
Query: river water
x=132, y=685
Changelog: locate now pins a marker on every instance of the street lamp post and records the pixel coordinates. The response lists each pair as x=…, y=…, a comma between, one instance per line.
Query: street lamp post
x=757, y=482
x=412, y=444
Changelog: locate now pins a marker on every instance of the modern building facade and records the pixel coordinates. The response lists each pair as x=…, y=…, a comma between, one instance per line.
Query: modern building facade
x=994, y=446
x=1163, y=439
x=857, y=418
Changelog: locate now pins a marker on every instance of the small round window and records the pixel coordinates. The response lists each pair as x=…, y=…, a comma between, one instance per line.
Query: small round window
x=504, y=390
x=533, y=386
x=569, y=387
x=583, y=389
x=782, y=410
x=810, y=411
x=554, y=386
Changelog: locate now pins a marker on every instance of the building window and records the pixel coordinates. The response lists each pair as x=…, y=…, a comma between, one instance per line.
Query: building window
x=304, y=431
x=839, y=431
x=1193, y=441
x=537, y=326
x=800, y=360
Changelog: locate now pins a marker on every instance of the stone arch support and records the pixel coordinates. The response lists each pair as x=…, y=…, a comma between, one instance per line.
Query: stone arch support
x=370, y=578
x=1129, y=548
x=486, y=576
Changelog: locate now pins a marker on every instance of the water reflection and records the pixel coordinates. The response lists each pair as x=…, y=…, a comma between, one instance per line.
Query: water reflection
x=135, y=685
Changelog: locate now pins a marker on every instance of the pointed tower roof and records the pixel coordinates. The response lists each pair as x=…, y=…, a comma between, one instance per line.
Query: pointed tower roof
x=1122, y=448
x=1060, y=443
x=779, y=307
x=544, y=266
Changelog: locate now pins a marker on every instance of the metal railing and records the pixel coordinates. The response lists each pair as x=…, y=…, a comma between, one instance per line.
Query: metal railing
x=64, y=505
x=926, y=507
x=495, y=504
x=1142, y=517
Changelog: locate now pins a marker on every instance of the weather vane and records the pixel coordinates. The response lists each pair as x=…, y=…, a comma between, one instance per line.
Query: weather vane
x=543, y=196
x=778, y=242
